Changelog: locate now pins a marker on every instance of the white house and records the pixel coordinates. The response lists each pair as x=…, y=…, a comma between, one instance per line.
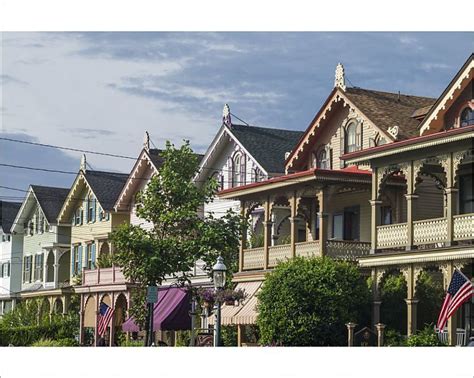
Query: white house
x=11, y=247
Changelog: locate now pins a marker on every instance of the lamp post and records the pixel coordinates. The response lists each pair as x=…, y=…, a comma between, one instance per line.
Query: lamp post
x=218, y=275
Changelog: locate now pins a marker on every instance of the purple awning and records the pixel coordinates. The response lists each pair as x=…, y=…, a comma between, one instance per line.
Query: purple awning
x=171, y=312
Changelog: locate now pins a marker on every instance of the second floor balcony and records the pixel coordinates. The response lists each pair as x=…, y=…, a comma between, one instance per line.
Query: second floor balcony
x=103, y=276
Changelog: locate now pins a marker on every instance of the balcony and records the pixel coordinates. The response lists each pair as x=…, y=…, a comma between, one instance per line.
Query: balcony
x=254, y=258
x=103, y=276
x=429, y=231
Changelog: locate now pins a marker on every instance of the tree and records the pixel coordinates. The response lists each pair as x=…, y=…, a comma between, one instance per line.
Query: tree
x=307, y=302
x=393, y=311
x=179, y=236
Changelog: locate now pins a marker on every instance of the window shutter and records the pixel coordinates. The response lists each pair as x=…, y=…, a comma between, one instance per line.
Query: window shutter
x=93, y=255
x=86, y=212
x=73, y=256
x=93, y=209
x=342, y=146
x=8, y=268
x=82, y=216
x=1, y=270
x=31, y=268
x=359, y=136
x=79, y=258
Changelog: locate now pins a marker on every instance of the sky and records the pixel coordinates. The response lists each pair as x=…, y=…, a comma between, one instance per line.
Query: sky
x=102, y=91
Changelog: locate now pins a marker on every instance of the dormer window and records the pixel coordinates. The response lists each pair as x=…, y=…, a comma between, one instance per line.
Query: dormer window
x=323, y=158
x=467, y=117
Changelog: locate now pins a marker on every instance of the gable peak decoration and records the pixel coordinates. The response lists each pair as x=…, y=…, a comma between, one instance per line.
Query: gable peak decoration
x=393, y=131
x=146, y=141
x=226, y=119
x=83, y=165
x=339, y=79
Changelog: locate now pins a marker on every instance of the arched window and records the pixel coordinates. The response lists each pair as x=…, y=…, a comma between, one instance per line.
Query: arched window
x=238, y=170
x=467, y=117
x=323, y=158
x=351, y=137
x=256, y=175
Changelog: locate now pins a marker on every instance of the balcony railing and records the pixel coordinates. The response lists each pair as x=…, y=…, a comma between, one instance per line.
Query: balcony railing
x=428, y=231
x=103, y=276
x=347, y=249
x=340, y=249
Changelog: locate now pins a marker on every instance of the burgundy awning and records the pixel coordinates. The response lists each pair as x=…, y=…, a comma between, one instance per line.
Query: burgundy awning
x=171, y=312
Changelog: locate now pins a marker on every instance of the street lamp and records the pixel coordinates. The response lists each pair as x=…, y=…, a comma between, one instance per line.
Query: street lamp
x=218, y=275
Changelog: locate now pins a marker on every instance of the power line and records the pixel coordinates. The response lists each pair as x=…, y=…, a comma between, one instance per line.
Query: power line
x=67, y=148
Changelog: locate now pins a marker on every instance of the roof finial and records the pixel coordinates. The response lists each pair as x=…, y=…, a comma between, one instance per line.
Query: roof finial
x=83, y=165
x=340, y=80
x=146, y=141
x=226, y=116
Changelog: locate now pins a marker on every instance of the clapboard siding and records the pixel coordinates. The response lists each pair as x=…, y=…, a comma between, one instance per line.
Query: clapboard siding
x=430, y=203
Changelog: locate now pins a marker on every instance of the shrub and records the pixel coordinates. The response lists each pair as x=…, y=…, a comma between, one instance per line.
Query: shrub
x=229, y=335
x=55, y=343
x=393, y=338
x=308, y=301
x=183, y=338
x=394, y=310
x=132, y=343
x=425, y=337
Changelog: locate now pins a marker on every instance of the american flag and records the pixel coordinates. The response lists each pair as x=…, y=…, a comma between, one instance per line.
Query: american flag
x=105, y=315
x=459, y=291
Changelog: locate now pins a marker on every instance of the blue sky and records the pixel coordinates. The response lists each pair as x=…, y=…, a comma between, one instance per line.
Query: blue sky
x=101, y=91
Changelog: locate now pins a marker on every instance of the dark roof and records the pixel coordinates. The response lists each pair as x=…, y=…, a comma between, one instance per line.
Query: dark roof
x=267, y=146
x=387, y=109
x=158, y=160
x=51, y=200
x=106, y=186
x=8, y=212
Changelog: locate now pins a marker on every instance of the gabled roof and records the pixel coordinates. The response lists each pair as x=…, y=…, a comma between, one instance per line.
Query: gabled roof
x=106, y=186
x=387, y=109
x=458, y=83
x=267, y=146
x=50, y=199
x=8, y=212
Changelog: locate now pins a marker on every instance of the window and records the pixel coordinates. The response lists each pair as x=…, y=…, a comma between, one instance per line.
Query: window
x=351, y=137
x=41, y=221
x=78, y=217
x=385, y=215
x=338, y=226
x=5, y=269
x=39, y=260
x=238, y=170
x=467, y=117
x=31, y=227
x=256, y=175
x=346, y=225
x=76, y=262
x=27, y=260
x=324, y=158
x=91, y=209
x=90, y=253
x=466, y=197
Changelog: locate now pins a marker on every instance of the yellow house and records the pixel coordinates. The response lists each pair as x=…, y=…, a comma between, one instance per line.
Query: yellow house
x=89, y=210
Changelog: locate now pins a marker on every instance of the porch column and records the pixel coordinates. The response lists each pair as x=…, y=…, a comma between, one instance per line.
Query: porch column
x=267, y=232
x=374, y=223
x=112, y=321
x=240, y=335
x=243, y=239
x=81, y=326
x=96, y=329
x=376, y=301
x=411, y=301
x=451, y=198
x=411, y=208
x=323, y=220
x=293, y=224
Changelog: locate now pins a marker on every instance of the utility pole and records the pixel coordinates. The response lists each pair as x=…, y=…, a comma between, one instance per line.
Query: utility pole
x=151, y=299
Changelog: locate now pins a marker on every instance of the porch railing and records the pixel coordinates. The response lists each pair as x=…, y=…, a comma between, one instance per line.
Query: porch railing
x=308, y=249
x=278, y=253
x=430, y=231
x=103, y=276
x=463, y=226
x=253, y=258
x=392, y=235
x=347, y=249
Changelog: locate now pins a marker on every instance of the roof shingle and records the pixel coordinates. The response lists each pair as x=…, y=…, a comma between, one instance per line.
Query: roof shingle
x=50, y=199
x=387, y=109
x=106, y=186
x=8, y=212
x=267, y=146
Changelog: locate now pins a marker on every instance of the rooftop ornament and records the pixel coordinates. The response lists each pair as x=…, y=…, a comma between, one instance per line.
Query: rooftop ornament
x=339, y=80
x=226, y=119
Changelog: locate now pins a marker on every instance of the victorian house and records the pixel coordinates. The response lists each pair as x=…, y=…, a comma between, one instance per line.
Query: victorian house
x=320, y=206
x=45, y=255
x=89, y=212
x=11, y=247
x=422, y=204
x=242, y=154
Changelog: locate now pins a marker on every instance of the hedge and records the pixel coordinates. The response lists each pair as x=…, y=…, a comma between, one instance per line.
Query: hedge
x=27, y=335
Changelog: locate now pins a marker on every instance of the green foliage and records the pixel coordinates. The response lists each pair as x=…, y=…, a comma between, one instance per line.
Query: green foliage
x=393, y=338
x=132, y=343
x=229, y=335
x=308, y=301
x=104, y=260
x=393, y=310
x=55, y=343
x=183, y=338
x=425, y=337
x=430, y=294
x=256, y=240
x=285, y=239
x=179, y=236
